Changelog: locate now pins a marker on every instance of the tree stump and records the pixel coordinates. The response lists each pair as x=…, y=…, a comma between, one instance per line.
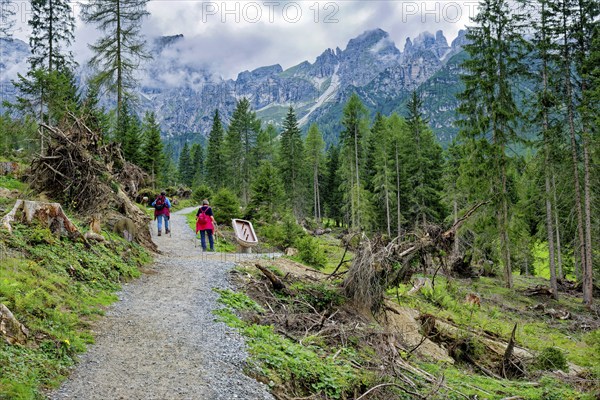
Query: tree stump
x=11, y=330
x=49, y=214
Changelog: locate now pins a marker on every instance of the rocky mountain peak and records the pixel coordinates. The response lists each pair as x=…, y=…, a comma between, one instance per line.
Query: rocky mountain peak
x=461, y=40
x=259, y=73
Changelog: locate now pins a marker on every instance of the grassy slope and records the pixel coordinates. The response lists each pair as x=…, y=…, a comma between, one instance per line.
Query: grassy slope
x=56, y=288
x=500, y=309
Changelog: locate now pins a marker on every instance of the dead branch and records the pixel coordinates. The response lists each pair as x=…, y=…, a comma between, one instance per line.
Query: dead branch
x=510, y=368
x=88, y=176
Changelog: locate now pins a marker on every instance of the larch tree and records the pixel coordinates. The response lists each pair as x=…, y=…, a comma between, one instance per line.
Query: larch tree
x=488, y=102
x=332, y=194
x=268, y=196
x=119, y=53
x=398, y=133
x=265, y=148
x=382, y=182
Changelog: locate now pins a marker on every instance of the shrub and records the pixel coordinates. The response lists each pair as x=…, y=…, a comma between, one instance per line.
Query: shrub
x=226, y=206
x=551, y=359
x=282, y=234
x=201, y=192
x=291, y=229
x=310, y=252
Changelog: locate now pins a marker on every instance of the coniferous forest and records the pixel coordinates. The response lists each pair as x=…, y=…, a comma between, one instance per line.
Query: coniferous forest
x=517, y=189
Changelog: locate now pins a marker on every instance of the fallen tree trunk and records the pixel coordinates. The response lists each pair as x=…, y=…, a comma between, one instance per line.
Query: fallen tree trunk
x=278, y=285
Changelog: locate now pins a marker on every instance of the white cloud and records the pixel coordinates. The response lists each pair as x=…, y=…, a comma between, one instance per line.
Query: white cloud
x=232, y=36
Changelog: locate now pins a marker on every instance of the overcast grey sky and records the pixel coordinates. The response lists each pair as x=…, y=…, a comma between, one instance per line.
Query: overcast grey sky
x=232, y=36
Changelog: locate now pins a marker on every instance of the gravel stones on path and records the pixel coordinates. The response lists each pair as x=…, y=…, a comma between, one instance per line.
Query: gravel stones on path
x=161, y=340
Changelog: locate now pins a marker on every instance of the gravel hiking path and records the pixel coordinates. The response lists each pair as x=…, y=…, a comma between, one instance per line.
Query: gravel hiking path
x=161, y=340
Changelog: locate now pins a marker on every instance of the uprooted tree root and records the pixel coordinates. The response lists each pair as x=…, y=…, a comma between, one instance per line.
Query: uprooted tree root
x=379, y=266
x=88, y=176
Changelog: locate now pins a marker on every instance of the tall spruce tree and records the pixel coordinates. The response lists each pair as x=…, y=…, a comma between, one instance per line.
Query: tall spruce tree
x=240, y=142
x=382, y=181
x=171, y=173
x=425, y=166
x=94, y=115
x=488, y=103
x=587, y=14
x=128, y=134
x=186, y=169
x=197, y=155
x=574, y=23
x=315, y=159
x=352, y=137
x=292, y=162
x=119, y=53
x=52, y=25
x=545, y=106
x=215, y=154
x=153, y=156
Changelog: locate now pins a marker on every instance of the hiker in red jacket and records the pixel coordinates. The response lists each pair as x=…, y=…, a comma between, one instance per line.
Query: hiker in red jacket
x=205, y=224
x=162, y=207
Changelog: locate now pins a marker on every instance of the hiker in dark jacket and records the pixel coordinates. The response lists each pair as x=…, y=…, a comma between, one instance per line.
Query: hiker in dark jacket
x=162, y=207
x=205, y=224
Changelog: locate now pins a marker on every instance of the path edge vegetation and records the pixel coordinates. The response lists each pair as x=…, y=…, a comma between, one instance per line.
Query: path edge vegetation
x=58, y=289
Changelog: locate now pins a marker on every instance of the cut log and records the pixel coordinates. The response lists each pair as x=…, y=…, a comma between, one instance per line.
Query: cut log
x=49, y=214
x=278, y=285
x=11, y=330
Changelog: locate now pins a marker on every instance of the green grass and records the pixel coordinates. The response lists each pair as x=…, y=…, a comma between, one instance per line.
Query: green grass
x=500, y=309
x=541, y=261
x=307, y=367
x=55, y=287
x=483, y=387
x=9, y=182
